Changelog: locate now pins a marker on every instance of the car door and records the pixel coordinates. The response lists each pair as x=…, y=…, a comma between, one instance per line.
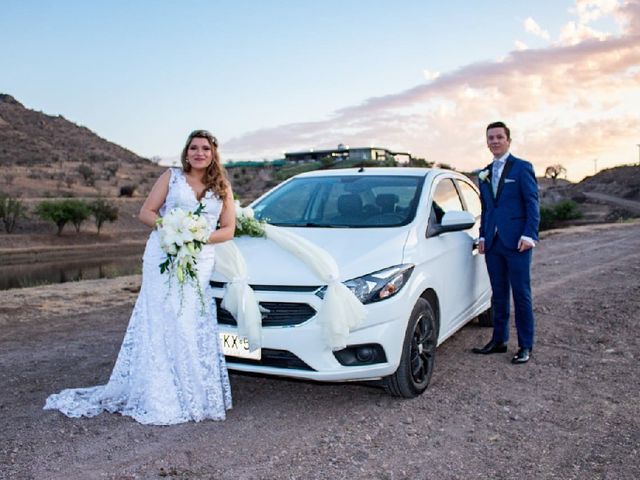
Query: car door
x=471, y=199
x=452, y=254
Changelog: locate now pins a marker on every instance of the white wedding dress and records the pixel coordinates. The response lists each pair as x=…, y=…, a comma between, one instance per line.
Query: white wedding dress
x=170, y=368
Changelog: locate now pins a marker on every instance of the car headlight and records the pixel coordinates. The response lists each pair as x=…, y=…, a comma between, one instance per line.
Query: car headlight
x=379, y=285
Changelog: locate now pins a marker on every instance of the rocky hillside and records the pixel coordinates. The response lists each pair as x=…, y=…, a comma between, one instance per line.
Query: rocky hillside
x=49, y=156
x=623, y=181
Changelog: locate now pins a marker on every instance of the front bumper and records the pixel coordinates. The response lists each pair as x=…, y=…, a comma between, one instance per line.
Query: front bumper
x=384, y=325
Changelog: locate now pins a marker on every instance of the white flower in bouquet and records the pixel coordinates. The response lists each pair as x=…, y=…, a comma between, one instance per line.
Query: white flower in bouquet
x=182, y=236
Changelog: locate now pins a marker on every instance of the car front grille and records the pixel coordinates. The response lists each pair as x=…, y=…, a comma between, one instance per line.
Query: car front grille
x=274, y=314
x=273, y=358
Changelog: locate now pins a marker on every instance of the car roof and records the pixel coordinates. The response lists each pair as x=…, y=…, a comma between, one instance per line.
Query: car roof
x=381, y=171
x=399, y=171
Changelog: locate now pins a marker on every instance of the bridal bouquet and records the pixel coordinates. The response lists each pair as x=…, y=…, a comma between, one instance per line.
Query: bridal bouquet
x=182, y=235
x=247, y=224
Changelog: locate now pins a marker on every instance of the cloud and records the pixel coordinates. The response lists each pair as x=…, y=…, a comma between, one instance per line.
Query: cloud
x=531, y=26
x=591, y=10
x=573, y=33
x=428, y=75
x=565, y=103
x=520, y=45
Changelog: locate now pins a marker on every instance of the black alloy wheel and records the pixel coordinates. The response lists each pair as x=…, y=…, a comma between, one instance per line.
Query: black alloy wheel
x=418, y=353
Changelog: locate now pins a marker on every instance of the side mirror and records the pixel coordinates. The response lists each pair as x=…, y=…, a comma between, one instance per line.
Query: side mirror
x=453, y=221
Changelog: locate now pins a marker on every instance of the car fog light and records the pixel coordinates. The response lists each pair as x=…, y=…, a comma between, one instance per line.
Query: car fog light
x=365, y=354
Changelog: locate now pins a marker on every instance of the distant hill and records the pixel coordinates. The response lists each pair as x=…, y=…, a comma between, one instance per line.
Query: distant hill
x=44, y=155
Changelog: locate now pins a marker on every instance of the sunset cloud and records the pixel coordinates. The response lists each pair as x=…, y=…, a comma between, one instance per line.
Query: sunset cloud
x=567, y=103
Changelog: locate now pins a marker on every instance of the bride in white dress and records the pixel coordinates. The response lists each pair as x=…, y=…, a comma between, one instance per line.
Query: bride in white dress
x=170, y=368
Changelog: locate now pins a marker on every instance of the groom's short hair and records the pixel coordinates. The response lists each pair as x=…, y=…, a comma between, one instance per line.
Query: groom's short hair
x=500, y=125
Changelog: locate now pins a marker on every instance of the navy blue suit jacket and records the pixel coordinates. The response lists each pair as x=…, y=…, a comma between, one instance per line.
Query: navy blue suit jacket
x=515, y=210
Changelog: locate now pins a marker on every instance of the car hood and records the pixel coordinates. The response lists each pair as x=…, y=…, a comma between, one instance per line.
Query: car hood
x=356, y=251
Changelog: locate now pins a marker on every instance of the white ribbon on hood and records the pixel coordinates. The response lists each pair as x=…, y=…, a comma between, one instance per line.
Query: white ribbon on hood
x=340, y=311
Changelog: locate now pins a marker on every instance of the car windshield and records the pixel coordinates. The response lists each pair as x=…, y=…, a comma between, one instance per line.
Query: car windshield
x=347, y=201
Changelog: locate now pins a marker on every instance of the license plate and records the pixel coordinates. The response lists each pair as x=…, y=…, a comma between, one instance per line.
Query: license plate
x=236, y=346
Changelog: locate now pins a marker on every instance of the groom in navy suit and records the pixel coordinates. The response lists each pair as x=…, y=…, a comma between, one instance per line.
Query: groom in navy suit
x=508, y=233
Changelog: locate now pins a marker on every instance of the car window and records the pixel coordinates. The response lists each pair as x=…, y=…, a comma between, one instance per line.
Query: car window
x=343, y=201
x=471, y=198
x=288, y=203
x=445, y=199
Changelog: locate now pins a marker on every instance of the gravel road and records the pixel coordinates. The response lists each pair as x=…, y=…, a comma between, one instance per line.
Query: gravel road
x=572, y=412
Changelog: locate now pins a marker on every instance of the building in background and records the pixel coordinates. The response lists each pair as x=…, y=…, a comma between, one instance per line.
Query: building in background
x=343, y=152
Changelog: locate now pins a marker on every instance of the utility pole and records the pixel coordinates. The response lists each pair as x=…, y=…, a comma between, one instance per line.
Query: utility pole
x=595, y=166
x=639, y=154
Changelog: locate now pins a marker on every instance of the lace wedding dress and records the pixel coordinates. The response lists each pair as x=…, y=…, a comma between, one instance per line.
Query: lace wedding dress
x=170, y=368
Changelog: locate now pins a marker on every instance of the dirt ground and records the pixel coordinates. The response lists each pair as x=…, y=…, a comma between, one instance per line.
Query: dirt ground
x=572, y=412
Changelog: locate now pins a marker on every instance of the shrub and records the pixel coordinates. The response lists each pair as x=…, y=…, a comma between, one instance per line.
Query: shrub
x=11, y=209
x=87, y=174
x=547, y=218
x=103, y=211
x=127, y=191
x=567, y=210
x=564, y=210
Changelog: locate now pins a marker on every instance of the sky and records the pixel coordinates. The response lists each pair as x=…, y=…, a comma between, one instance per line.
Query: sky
x=269, y=76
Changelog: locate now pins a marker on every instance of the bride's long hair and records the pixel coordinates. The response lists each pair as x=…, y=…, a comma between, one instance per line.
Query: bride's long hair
x=215, y=176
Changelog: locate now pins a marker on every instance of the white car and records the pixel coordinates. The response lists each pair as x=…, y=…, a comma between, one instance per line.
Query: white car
x=405, y=241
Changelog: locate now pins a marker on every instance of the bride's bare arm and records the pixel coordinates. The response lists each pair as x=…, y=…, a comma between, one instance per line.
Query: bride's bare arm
x=151, y=206
x=227, y=220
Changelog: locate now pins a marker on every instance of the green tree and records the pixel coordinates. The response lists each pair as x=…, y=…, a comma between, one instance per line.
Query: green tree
x=103, y=211
x=445, y=166
x=53, y=211
x=420, y=162
x=11, y=209
x=78, y=212
x=327, y=162
x=62, y=212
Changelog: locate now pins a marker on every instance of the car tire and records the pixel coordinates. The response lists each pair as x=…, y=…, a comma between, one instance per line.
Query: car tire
x=485, y=319
x=418, y=353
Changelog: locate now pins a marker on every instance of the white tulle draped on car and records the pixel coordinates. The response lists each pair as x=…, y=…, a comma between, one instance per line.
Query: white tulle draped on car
x=340, y=312
x=239, y=298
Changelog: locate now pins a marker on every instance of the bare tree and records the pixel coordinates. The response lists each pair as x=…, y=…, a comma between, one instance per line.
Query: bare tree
x=554, y=171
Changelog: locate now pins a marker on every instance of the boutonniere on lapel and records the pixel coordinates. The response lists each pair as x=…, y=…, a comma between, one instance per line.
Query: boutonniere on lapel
x=484, y=175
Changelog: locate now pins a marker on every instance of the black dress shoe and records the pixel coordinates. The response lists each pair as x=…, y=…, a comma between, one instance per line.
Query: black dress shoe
x=522, y=356
x=491, y=347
